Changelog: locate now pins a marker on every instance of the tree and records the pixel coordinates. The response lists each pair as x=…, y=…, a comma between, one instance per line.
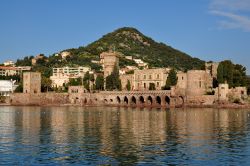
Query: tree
x=112, y=81
x=151, y=86
x=19, y=88
x=45, y=84
x=172, y=79
x=75, y=81
x=86, y=79
x=234, y=75
x=248, y=85
x=99, y=82
x=26, y=61
x=225, y=72
x=128, y=86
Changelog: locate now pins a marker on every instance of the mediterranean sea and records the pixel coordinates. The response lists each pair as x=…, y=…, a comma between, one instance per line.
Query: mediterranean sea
x=123, y=136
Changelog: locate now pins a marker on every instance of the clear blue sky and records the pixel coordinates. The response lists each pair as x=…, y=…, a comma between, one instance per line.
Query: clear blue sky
x=207, y=29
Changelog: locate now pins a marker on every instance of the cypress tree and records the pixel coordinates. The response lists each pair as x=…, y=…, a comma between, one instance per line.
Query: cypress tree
x=172, y=79
x=128, y=86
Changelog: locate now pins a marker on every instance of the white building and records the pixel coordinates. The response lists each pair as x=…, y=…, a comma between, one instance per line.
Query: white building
x=61, y=76
x=10, y=71
x=141, y=63
x=65, y=54
x=9, y=63
x=7, y=87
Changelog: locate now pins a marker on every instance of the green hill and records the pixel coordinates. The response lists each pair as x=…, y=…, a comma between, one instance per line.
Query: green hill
x=131, y=42
x=126, y=41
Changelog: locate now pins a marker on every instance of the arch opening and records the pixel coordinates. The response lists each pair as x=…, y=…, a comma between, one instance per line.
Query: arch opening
x=158, y=100
x=133, y=100
x=118, y=99
x=150, y=100
x=167, y=100
x=141, y=99
x=180, y=101
x=126, y=100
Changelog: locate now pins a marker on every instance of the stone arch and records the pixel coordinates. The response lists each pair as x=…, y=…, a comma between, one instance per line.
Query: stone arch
x=167, y=100
x=125, y=100
x=180, y=101
x=158, y=100
x=141, y=99
x=133, y=100
x=150, y=100
x=105, y=101
x=118, y=99
x=85, y=101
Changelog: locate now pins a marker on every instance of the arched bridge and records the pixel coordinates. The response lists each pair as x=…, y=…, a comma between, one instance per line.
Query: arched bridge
x=158, y=98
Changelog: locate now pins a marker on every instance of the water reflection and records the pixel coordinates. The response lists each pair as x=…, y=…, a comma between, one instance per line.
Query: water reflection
x=113, y=136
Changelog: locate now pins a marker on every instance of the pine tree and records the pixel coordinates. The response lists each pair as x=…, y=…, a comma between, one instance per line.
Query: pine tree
x=234, y=75
x=86, y=81
x=112, y=81
x=128, y=86
x=172, y=79
x=99, y=82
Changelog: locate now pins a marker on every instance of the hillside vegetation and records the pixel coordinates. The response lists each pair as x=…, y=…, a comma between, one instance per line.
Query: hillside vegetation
x=131, y=42
x=126, y=41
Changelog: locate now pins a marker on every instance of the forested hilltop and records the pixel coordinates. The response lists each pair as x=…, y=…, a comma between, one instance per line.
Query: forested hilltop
x=128, y=42
x=131, y=42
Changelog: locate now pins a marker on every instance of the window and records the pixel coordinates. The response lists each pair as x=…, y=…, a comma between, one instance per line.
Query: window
x=158, y=76
x=145, y=86
x=182, y=78
x=150, y=76
x=157, y=84
x=144, y=77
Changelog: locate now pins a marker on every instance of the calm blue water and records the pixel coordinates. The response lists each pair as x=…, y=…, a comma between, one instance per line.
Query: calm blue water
x=123, y=136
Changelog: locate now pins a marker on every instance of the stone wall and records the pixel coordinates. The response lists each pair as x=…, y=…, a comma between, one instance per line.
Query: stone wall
x=39, y=99
x=202, y=100
x=124, y=80
x=198, y=82
x=143, y=78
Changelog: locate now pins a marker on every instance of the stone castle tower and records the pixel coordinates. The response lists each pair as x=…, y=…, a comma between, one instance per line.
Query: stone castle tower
x=109, y=60
x=31, y=82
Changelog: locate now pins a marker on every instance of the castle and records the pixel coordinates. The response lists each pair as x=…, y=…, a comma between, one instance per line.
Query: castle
x=194, y=87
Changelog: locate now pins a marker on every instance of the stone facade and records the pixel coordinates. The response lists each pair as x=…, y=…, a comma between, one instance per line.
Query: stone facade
x=223, y=91
x=31, y=82
x=230, y=94
x=109, y=61
x=39, y=99
x=143, y=78
x=212, y=67
x=194, y=82
x=124, y=80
